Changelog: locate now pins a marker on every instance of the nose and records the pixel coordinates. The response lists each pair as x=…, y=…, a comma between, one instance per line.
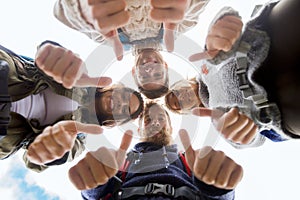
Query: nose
x=155, y=123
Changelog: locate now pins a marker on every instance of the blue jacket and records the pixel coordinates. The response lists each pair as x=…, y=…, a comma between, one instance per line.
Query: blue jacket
x=147, y=165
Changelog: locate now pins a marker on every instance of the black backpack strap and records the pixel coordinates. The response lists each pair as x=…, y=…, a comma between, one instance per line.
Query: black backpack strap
x=5, y=100
x=152, y=189
x=119, y=181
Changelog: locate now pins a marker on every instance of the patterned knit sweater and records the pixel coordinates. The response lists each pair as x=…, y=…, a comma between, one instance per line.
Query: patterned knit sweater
x=219, y=83
x=140, y=25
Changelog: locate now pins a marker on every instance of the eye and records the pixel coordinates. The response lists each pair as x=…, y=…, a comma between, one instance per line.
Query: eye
x=161, y=119
x=140, y=76
x=161, y=116
x=158, y=75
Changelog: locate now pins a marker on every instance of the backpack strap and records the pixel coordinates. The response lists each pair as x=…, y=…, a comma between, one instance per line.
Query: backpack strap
x=128, y=192
x=263, y=112
x=124, y=169
x=156, y=189
x=184, y=162
x=118, y=186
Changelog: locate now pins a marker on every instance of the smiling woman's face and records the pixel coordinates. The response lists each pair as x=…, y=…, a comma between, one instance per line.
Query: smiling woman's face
x=183, y=96
x=155, y=120
x=155, y=125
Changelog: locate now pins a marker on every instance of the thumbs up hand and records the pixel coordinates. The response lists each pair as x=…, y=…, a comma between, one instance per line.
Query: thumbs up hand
x=66, y=68
x=58, y=139
x=233, y=125
x=97, y=167
x=210, y=166
x=221, y=37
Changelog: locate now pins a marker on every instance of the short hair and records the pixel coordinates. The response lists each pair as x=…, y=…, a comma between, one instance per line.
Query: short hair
x=153, y=94
x=112, y=120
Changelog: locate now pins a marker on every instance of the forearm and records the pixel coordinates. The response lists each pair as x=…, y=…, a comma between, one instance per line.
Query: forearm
x=191, y=16
x=74, y=14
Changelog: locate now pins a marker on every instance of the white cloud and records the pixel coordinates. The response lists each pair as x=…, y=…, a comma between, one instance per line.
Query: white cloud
x=55, y=181
x=17, y=182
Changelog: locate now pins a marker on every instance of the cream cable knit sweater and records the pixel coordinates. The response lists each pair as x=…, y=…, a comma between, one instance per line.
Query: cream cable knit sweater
x=139, y=27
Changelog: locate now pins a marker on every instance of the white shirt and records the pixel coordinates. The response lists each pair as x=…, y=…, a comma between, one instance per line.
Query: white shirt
x=46, y=107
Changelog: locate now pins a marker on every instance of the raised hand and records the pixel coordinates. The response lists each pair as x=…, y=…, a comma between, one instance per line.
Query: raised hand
x=56, y=140
x=233, y=125
x=222, y=36
x=107, y=17
x=210, y=166
x=169, y=12
x=97, y=167
x=66, y=68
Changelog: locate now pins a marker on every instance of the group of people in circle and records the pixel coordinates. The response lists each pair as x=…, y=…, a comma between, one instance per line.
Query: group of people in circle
x=49, y=104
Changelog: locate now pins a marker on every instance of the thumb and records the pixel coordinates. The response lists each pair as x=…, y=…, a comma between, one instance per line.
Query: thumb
x=87, y=81
x=207, y=112
x=117, y=45
x=73, y=127
x=88, y=128
x=169, y=36
x=189, y=151
x=204, y=55
x=125, y=143
x=202, y=112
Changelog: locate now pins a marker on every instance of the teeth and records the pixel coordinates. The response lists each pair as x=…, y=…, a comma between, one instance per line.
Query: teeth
x=111, y=104
x=148, y=70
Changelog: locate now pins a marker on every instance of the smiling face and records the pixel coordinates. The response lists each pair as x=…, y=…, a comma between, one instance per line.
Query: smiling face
x=119, y=104
x=183, y=97
x=150, y=71
x=155, y=125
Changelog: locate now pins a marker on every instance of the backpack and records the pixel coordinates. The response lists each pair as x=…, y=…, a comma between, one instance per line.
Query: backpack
x=151, y=188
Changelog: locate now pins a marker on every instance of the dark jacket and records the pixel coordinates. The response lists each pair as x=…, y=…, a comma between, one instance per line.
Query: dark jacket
x=147, y=165
x=25, y=79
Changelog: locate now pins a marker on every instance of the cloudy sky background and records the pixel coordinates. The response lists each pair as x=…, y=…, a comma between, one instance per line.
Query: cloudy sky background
x=271, y=172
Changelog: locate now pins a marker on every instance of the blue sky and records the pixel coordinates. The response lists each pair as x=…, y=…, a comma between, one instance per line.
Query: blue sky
x=17, y=186
x=271, y=171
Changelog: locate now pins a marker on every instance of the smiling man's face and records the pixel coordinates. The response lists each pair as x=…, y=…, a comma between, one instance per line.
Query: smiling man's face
x=150, y=70
x=119, y=103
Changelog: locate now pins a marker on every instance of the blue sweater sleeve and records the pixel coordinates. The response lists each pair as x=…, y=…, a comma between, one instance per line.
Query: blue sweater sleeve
x=212, y=192
x=102, y=190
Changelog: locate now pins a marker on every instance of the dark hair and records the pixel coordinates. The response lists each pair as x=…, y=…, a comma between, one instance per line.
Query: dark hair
x=112, y=120
x=153, y=94
x=290, y=134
